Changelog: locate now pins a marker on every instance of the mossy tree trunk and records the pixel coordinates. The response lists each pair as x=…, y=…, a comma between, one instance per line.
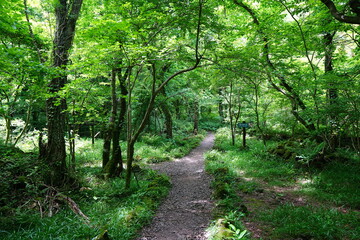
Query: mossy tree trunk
x=66, y=13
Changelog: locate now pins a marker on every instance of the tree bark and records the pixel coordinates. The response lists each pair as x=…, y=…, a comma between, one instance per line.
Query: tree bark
x=115, y=166
x=220, y=104
x=231, y=116
x=329, y=49
x=332, y=92
x=167, y=114
x=66, y=13
x=109, y=133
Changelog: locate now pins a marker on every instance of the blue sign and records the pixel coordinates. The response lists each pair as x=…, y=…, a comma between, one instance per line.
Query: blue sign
x=243, y=125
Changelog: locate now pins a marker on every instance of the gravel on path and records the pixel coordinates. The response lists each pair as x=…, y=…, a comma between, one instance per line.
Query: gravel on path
x=186, y=212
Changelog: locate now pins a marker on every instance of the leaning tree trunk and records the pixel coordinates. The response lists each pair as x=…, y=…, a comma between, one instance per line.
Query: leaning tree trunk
x=66, y=13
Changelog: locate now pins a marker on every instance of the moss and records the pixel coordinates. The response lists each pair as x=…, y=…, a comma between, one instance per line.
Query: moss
x=221, y=190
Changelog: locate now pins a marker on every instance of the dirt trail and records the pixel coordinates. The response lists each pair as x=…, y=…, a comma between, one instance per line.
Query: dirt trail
x=186, y=212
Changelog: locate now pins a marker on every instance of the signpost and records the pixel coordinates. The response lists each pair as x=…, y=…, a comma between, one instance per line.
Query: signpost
x=244, y=125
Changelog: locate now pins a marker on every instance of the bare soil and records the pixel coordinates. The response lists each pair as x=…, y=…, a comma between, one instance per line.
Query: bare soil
x=186, y=213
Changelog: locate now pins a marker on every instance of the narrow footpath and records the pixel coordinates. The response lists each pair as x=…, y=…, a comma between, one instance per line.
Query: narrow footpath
x=186, y=213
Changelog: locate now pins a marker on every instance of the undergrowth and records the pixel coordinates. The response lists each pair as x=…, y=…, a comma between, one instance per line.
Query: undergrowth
x=108, y=206
x=334, y=186
x=31, y=210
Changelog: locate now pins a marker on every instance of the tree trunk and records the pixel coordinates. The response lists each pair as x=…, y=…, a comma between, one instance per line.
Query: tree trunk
x=56, y=154
x=109, y=133
x=221, y=106
x=66, y=14
x=8, y=130
x=196, y=116
x=258, y=125
x=167, y=114
x=115, y=166
x=332, y=92
x=232, y=127
x=130, y=159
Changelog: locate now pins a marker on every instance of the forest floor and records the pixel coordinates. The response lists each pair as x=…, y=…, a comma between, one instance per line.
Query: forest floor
x=186, y=212
x=267, y=197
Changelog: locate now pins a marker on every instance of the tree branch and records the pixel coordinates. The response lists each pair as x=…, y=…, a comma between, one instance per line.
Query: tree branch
x=340, y=16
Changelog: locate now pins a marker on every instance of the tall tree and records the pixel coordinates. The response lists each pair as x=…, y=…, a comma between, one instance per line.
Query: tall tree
x=283, y=87
x=133, y=134
x=66, y=13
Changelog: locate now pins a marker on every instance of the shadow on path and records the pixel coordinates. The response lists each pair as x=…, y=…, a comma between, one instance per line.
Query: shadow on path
x=186, y=213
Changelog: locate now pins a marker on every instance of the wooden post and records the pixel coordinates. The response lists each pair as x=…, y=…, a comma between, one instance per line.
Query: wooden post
x=244, y=134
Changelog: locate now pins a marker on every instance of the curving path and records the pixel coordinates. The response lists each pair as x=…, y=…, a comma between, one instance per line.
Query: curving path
x=186, y=213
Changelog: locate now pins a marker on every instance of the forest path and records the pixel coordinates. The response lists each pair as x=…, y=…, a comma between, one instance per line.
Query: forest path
x=186, y=213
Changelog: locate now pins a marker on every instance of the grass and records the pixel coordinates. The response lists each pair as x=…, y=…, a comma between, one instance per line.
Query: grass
x=112, y=209
x=337, y=183
x=108, y=206
x=335, y=188
x=308, y=222
x=252, y=162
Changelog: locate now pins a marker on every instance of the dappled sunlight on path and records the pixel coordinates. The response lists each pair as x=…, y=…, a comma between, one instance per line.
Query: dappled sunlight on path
x=186, y=213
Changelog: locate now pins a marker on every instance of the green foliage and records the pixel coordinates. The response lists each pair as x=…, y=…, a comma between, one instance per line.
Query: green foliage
x=229, y=208
x=229, y=227
x=269, y=91
x=155, y=148
x=20, y=178
x=254, y=161
x=110, y=207
x=211, y=124
x=312, y=223
x=336, y=183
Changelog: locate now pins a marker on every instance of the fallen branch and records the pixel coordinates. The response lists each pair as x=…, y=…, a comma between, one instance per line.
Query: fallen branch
x=53, y=196
x=74, y=207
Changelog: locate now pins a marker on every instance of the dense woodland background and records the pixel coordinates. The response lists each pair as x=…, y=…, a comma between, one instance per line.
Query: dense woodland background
x=91, y=91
